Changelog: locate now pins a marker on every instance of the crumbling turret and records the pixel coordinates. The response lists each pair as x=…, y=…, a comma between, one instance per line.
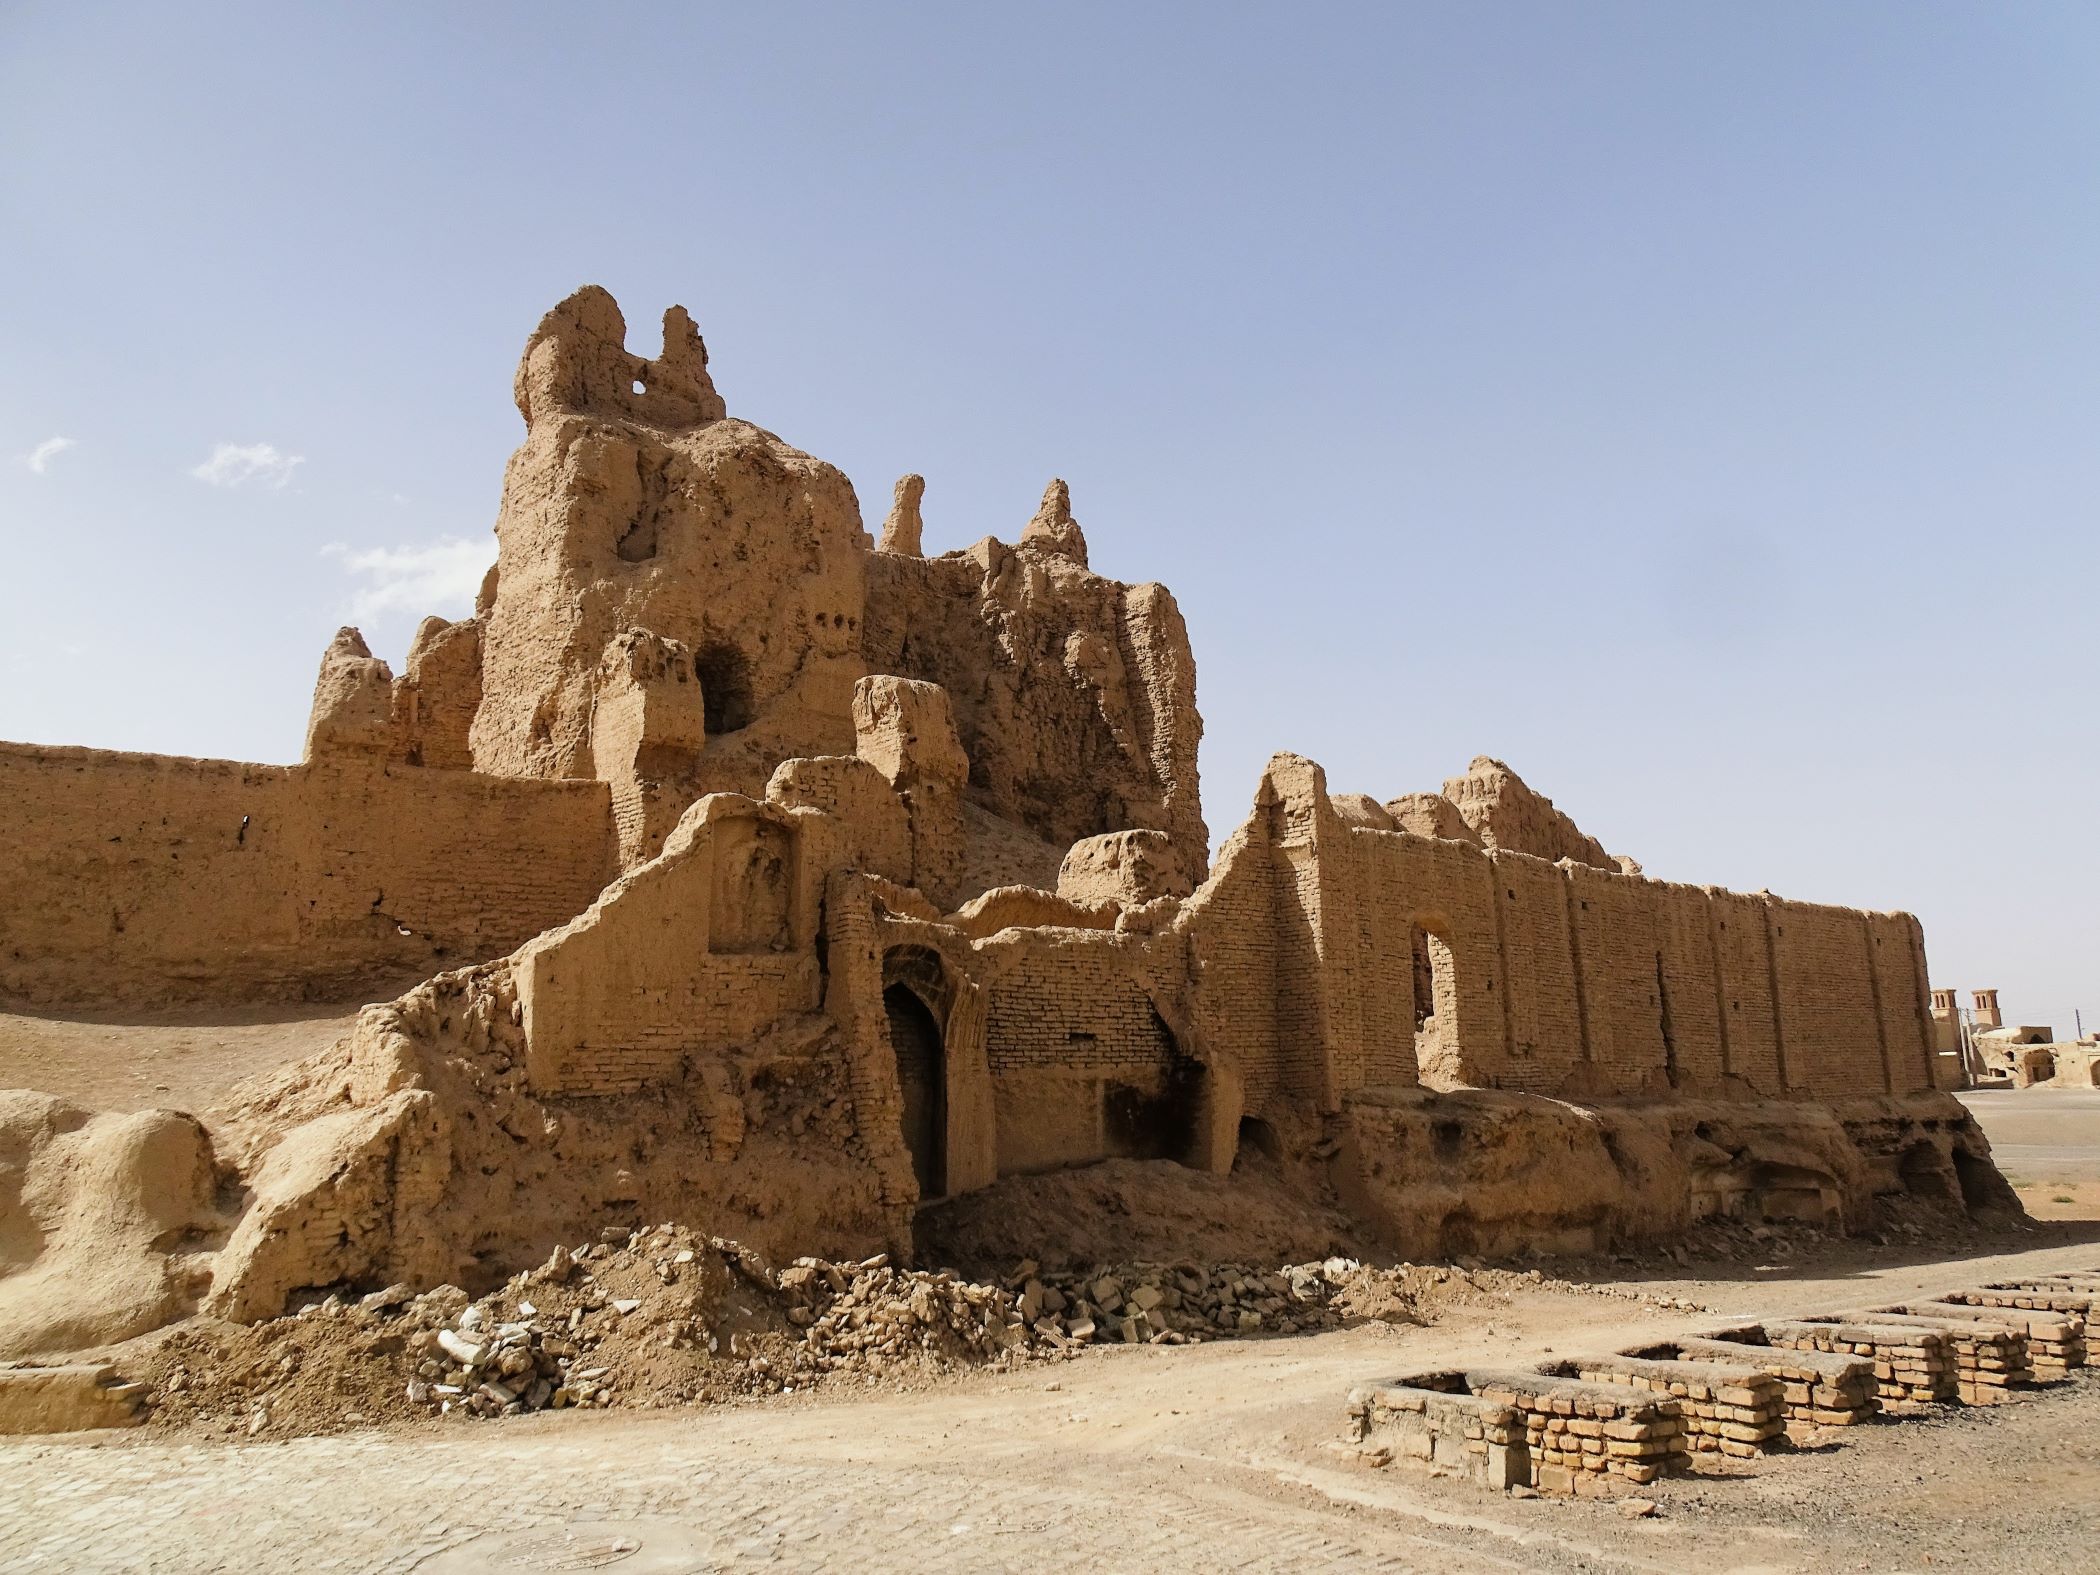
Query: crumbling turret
x=1053, y=529
x=900, y=532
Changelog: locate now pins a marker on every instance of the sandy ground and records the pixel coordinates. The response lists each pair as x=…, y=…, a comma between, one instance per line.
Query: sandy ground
x=2047, y=1141
x=1214, y=1457
x=183, y=1060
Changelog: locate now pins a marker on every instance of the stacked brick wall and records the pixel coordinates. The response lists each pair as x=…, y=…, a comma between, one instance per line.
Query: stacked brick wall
x=1562, y=978
x=132, y=877
x=1901, y=993
x=1743, y=958
x=1233, y=960
x=1544, y=1035
x=1615, y=919
x=1395, y=883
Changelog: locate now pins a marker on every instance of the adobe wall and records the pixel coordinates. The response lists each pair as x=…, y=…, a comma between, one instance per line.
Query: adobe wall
x=708, y=946
x=1090, y=1054
x=1561, y=978
x=136, y=878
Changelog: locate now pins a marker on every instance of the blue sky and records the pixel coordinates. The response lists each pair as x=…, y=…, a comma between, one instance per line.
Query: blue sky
x=1693, y=405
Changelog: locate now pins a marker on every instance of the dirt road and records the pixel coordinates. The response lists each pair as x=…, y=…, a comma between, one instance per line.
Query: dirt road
x=1204, y=1458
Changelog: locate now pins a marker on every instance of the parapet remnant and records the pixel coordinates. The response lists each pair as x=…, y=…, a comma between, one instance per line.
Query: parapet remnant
x=901, y=530
x=757, y=871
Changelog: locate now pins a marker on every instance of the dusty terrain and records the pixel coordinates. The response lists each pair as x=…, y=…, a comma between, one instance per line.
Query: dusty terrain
x=2042, y=1139
x=1204, y=1457
x=181, y=1059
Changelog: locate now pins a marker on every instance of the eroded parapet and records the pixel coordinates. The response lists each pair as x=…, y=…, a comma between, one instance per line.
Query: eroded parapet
x=1912, y=1362
x=353, y=710
x=902, y=529
x=1505, y=812
x=578, y=360
x=1506, y=1427
x=362, y=711
x=1817, y=1388
x=647, y=731
x=1052, y=529
x=1729, y=1409
x=1429, y=815
x=906, y=730
x=1126, y=868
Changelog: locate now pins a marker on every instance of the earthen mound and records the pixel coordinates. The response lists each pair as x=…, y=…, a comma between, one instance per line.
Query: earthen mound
x=104, y=1222
x=1129, y=1210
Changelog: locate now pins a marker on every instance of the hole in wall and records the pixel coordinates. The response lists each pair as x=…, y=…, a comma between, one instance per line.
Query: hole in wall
x=1259, y=1149
x=725, y=685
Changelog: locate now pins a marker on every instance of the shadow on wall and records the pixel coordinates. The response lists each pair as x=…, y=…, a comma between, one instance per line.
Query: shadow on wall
x=922, y=1083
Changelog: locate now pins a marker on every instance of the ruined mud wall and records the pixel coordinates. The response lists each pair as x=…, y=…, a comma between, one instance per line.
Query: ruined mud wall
x=712, y=944
x=1549, y=978
x=134, y=878
x=1074, y=695
x=1087, y=1052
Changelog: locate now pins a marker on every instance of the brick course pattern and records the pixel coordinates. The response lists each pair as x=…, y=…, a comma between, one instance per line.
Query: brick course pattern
x=136, y=877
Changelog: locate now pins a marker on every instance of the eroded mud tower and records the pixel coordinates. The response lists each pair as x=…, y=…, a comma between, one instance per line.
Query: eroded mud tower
x=766, y=877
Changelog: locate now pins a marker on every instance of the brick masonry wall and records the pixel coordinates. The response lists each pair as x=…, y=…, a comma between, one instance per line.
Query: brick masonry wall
x=1567, y=978
x=1545, y=1034
x=134, y=877
x=661, y=968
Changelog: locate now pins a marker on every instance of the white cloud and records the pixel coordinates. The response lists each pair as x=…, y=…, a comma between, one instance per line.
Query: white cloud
x=39, y=458
x=236, y=464
x=436, y=577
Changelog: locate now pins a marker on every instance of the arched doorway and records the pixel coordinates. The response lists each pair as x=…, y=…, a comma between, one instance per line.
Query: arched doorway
x=922, y=1080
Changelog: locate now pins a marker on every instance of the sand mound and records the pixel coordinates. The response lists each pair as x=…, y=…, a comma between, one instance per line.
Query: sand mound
x=105, y=1222
x=1128, y=1210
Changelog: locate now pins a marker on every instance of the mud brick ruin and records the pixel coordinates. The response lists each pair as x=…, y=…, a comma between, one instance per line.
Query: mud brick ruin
x=1507, y=1428
x=729, y=864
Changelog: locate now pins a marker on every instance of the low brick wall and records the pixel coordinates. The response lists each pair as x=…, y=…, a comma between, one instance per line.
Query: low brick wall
x=1911, y=1362
x=1505, y=1427
x=1727, y=1409
x=1817, y=1388
x=1989, y=1359
x=2055, y=1339
x=2018, y=1294
x=1480, y=1440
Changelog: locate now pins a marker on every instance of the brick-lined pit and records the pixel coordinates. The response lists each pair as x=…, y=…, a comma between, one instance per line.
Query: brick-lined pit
x=1729, y=1410
x=1559, y=1435
x=1817, y=1388
x=1989, y=1359
x=1911, y=1362
x=2055, y=1341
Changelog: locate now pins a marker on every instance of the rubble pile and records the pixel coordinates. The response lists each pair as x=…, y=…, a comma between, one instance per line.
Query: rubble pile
x=664, y=1315
x=1185, y=1303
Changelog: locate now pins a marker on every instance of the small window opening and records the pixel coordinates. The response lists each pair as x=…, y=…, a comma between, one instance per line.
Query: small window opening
x=725, y=688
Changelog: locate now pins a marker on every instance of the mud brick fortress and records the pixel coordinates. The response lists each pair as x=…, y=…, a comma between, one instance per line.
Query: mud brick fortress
x=733, y=864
